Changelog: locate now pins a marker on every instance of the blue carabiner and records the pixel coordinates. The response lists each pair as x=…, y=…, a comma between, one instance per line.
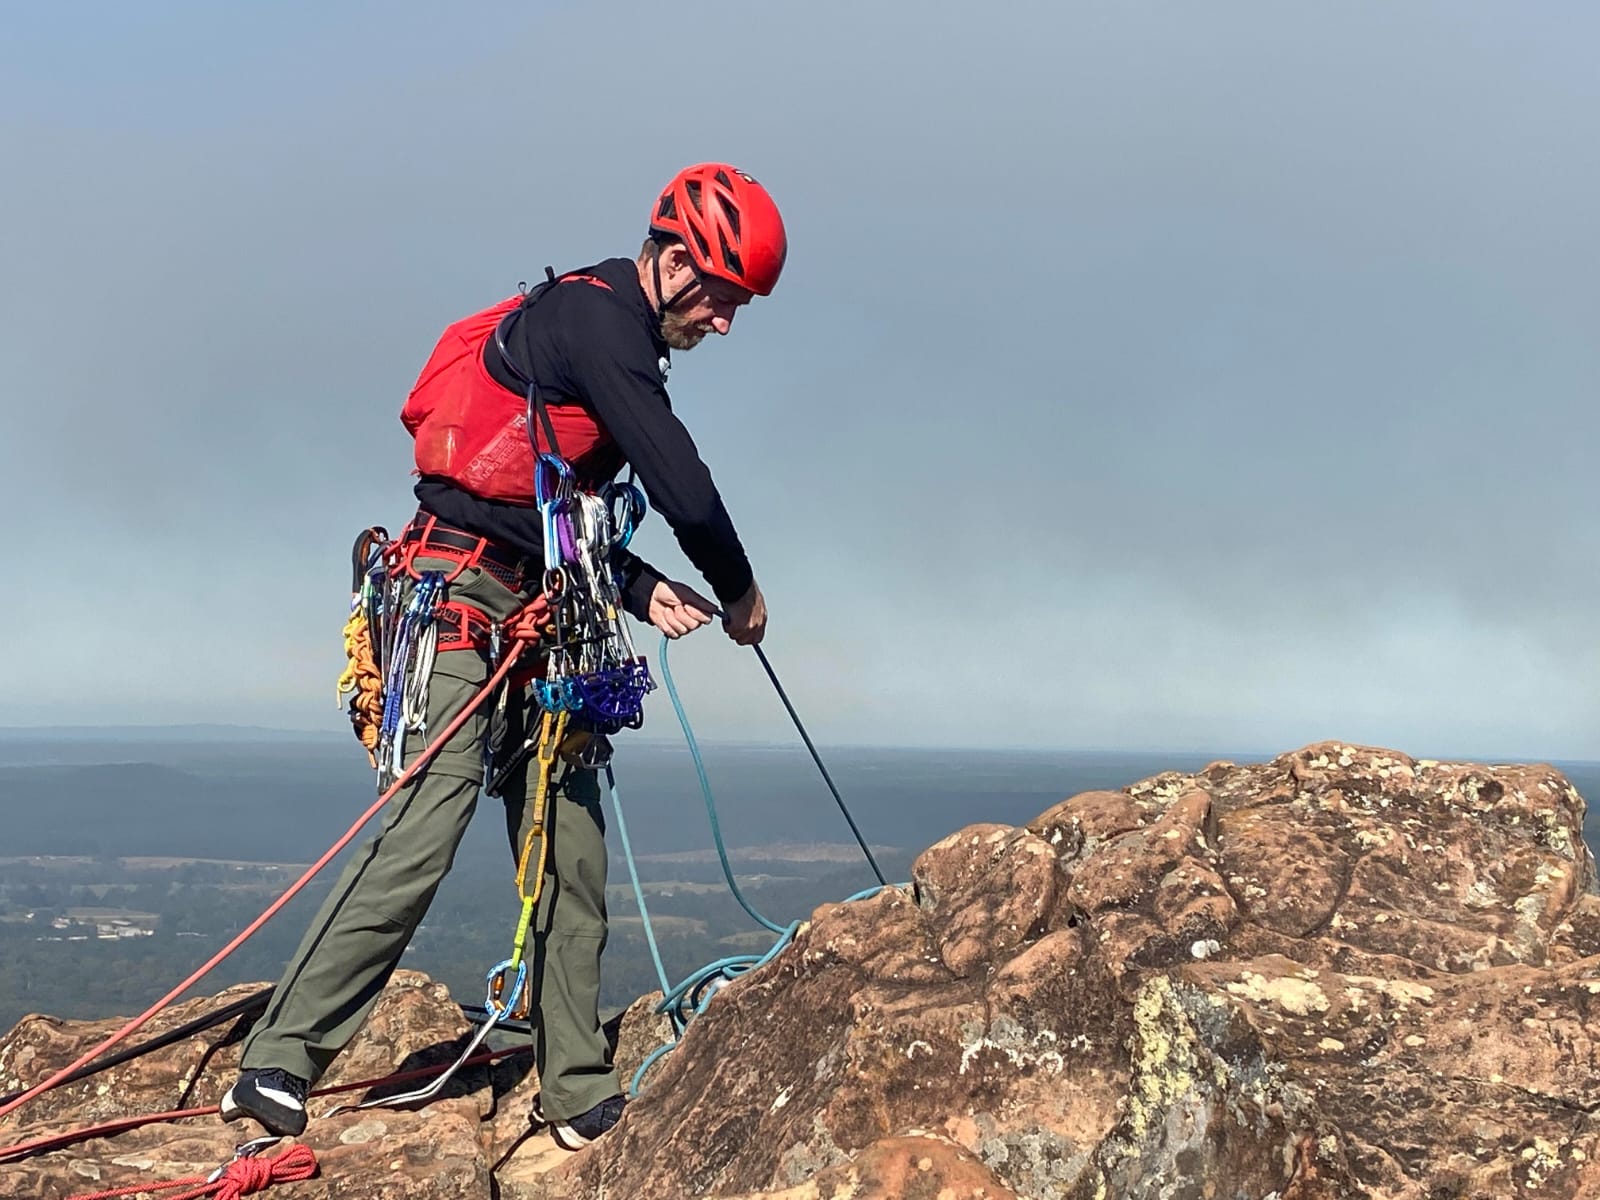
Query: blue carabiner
x=560, y=487
x=491, y=1002
x=626, y=506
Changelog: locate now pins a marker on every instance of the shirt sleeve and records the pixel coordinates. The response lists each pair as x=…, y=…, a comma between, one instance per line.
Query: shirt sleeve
x=636, y=579
x=617, y=377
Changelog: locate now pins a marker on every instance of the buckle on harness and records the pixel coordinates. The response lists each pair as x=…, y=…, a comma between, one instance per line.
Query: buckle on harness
x=462, y=627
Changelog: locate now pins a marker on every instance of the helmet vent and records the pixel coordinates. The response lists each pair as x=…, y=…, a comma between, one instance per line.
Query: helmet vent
x=729, y=254
x=700, y=240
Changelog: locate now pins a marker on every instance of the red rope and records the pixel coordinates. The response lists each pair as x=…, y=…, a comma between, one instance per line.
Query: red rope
x=241, y=1177
x=294, y=888
x=55, y=1141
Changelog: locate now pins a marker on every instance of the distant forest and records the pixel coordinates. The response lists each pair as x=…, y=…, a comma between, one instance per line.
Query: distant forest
x=60, y=954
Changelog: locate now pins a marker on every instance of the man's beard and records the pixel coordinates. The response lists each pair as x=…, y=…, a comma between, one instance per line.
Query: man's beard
x=679, y=333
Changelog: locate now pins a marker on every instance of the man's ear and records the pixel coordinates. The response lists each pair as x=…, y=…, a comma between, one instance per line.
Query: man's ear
x=675, y=257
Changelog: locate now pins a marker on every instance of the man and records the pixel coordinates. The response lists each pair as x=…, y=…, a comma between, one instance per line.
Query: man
x=584, y=359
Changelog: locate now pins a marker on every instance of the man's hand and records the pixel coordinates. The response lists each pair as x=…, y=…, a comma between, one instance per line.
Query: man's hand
x=677, y=609
x=746, y=622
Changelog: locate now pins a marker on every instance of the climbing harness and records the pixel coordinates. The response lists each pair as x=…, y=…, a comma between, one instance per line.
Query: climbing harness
x=591, y=668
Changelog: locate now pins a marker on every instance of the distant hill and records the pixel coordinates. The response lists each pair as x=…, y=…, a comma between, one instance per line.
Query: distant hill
x=283, y=798
x=142, y=808
x=138, y=734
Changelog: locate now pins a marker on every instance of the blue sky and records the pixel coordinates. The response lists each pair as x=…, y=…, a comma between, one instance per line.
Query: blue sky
x=1142, y=376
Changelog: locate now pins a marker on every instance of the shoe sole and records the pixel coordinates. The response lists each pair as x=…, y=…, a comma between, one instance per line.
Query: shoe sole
x=231, y=1110
x=561, y=1133
x=567, y=1137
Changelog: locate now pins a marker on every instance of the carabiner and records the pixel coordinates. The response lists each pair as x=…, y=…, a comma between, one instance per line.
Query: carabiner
x=496, y=986
x=244, y=1150
x=546, y=490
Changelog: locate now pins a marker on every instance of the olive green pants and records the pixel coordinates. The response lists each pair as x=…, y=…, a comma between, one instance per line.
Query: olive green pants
x=355, y=942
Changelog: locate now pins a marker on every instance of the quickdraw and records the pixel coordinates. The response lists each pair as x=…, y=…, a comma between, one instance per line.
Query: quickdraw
x=506, y=979
x=407, y=666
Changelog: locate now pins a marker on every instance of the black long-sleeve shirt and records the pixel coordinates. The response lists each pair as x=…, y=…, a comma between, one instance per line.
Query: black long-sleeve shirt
x=602, y=348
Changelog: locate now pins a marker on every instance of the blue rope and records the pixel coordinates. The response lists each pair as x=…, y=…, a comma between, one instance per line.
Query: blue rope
x=633, y=874
x=705, y=790
x=689, y=998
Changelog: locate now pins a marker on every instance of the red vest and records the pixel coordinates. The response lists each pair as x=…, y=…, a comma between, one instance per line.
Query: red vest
x=474, y=432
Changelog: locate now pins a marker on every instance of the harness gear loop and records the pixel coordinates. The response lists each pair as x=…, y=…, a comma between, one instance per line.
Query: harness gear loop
x=412, y=547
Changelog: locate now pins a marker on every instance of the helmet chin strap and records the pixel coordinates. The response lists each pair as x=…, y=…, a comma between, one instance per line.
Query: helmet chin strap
x=666, y=306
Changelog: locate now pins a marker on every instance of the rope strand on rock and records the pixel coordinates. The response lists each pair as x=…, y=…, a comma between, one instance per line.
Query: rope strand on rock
x=244, y=1176
x=56, y=1141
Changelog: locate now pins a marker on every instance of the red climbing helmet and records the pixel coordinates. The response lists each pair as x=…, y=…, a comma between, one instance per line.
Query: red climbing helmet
x=728, y=223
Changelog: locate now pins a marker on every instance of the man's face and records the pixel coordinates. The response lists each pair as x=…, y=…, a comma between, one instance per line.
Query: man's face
x=708, y=306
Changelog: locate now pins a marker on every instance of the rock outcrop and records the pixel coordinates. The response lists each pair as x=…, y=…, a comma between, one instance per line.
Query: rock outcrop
x=1341, y=973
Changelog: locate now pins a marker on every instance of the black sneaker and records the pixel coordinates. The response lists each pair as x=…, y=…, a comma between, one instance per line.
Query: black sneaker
x=274, y=1097
x=577, y=1132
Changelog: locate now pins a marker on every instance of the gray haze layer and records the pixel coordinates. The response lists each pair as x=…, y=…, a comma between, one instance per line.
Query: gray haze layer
x=1142, y=375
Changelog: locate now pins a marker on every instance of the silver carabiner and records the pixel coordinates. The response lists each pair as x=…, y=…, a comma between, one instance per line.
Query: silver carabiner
x=244, y=1150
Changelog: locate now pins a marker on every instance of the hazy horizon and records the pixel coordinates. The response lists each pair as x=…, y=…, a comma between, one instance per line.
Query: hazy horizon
x=210, y=733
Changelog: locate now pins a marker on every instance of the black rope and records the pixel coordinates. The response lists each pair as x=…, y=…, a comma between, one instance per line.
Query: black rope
x=817, y=758
x=252, y=1005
